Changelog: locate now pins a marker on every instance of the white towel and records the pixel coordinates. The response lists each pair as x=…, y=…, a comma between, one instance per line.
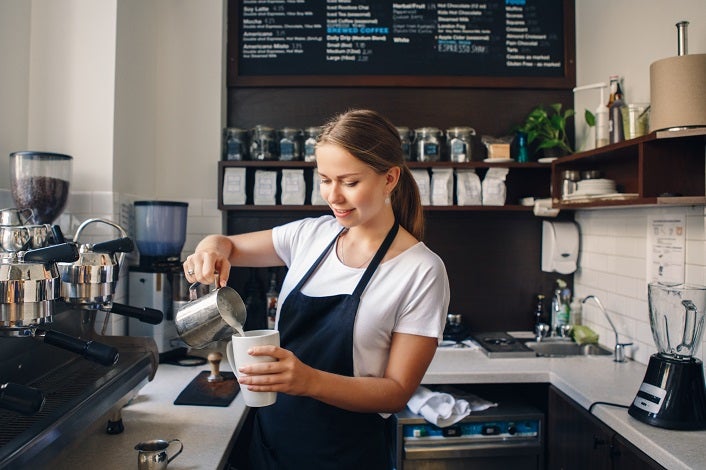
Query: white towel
x=442, y=409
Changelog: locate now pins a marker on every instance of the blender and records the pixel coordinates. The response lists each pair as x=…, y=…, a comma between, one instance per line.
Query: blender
x=39, y=181
x=673, y=394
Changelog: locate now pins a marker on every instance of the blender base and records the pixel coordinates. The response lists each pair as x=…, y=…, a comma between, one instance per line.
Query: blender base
x=672, y=394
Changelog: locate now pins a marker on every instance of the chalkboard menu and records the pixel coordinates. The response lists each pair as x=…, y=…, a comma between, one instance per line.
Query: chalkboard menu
x=378, y=42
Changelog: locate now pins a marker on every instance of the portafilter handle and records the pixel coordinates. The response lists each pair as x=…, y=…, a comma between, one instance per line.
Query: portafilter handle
x=21, y=398
x=64, y=252
x=144, y=314
x=91, y=350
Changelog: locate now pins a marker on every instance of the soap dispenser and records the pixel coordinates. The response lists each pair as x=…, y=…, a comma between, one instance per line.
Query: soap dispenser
x=560, y=247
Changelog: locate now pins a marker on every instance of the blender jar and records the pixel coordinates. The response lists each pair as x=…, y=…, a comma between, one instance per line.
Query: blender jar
x=677, y=318
x=39, y=181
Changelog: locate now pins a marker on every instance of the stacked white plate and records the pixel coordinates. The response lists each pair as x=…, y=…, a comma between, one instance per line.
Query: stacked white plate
x=594, y=187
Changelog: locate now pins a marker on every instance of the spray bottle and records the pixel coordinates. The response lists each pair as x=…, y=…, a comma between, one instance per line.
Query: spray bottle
x=601, y=114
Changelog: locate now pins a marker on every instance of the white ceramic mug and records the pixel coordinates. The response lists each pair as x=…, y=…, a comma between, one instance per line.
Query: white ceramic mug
x=237, y=352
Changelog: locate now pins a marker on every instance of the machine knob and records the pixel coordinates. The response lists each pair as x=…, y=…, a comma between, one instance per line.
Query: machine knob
x=511, y=430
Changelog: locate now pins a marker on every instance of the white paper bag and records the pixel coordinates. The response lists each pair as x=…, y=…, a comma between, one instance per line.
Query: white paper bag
x=424, y=185
x=265, y=188
x=293, y=188
x=442, y=186
x=233, y=186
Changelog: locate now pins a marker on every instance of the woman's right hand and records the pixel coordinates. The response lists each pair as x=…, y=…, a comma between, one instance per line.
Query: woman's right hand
x=208, y=260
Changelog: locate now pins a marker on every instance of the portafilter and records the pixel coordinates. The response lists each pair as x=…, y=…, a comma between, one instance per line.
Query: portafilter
x=90, y=282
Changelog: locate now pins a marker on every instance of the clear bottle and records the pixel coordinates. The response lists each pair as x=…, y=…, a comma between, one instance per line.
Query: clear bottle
x=539, y=312
x=576, y=311
x=560, y=309
x=272, y=297
x=616, y=103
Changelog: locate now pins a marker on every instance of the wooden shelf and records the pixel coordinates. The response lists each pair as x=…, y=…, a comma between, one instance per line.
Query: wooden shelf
x=523, y=180
x=664, y=168
x=310, y=208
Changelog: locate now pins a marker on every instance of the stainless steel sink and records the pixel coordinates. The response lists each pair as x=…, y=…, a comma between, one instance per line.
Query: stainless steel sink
x=566, y=348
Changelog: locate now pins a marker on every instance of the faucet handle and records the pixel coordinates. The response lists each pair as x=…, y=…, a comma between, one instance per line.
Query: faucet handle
x=619, y=352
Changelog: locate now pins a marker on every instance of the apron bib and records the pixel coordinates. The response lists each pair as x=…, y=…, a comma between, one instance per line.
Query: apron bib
x=300, y=432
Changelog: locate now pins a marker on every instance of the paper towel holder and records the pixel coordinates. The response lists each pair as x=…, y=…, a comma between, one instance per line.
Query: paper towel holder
x=560, y=247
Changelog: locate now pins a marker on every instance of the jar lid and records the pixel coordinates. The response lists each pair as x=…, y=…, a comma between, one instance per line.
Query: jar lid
x=427, y=131
x=460, y=131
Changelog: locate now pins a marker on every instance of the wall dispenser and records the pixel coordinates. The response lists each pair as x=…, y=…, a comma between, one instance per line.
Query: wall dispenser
x=560, y=247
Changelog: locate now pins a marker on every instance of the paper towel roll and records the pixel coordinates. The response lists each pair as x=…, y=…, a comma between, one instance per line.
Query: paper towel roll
x=678, y=92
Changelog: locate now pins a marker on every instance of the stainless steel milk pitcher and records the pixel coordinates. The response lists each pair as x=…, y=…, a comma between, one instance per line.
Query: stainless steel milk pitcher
x=216, y=316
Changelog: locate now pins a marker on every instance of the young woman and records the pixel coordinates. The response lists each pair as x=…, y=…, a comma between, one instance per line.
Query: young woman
x=361, y=311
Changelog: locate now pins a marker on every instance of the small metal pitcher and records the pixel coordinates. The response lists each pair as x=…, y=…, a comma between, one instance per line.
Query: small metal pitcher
x=216, y=316
x=152, y=455
x=13, y=217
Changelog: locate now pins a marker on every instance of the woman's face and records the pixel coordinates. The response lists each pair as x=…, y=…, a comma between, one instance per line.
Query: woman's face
x=352, y=189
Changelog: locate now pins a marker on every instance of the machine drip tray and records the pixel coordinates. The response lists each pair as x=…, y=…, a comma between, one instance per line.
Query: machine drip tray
x=76, y=394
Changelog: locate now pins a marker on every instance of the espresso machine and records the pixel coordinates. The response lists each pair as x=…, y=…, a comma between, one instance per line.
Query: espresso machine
x=673, y=394
x=157, y=280
x=58, y=375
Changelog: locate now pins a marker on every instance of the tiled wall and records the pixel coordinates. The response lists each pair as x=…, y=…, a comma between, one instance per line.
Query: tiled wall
x=203, y=218
x=613, y=266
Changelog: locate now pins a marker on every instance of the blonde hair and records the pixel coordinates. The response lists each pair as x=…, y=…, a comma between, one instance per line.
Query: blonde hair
x=374, y=140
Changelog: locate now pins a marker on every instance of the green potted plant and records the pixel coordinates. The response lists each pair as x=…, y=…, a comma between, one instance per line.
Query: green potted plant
x=546, y=130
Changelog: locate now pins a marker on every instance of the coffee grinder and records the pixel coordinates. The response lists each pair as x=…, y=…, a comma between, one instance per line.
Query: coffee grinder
x=673, y=393
x=160, y=233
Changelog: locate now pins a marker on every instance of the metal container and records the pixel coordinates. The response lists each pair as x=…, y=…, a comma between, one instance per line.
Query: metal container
x=569, y=182
x=216, y=316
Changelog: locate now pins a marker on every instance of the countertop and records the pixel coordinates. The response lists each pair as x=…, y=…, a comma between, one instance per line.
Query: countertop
x=209, y=432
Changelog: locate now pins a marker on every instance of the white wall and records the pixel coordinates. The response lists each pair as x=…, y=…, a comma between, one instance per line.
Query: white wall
x=132, y=89
x=624, y=37
x=14, y=82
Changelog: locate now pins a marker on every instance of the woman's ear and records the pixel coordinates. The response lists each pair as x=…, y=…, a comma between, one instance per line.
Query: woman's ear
x=393, y=176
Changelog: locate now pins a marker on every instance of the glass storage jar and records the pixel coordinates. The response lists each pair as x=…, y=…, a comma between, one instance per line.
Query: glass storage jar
x=263, y=145
x=235, y=144
x=311, y=135
x=459, y=144
x=290, y=143
x=427, y=144
x=406, y=142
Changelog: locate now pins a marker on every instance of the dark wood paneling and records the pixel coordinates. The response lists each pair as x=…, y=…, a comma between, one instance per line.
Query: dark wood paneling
x=492, y=260
x=489, y=111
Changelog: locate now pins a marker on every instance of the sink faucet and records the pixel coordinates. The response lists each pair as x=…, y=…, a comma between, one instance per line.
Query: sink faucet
x=619, y=351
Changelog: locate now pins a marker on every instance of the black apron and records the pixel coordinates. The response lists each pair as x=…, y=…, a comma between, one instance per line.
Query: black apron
x=300, y=432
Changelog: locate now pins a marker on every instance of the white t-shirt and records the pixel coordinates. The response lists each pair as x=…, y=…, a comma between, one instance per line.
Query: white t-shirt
x=407, y=294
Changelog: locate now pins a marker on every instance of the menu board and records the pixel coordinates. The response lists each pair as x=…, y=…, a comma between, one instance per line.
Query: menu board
x=486, y=38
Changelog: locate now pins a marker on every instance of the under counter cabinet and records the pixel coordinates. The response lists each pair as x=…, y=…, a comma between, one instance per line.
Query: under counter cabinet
x=577, y=440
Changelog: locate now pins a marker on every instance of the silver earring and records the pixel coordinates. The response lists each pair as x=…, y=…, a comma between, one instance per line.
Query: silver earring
x=387, y=199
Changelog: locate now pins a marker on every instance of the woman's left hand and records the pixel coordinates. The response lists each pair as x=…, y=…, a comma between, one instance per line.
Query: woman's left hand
x=287, y=374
